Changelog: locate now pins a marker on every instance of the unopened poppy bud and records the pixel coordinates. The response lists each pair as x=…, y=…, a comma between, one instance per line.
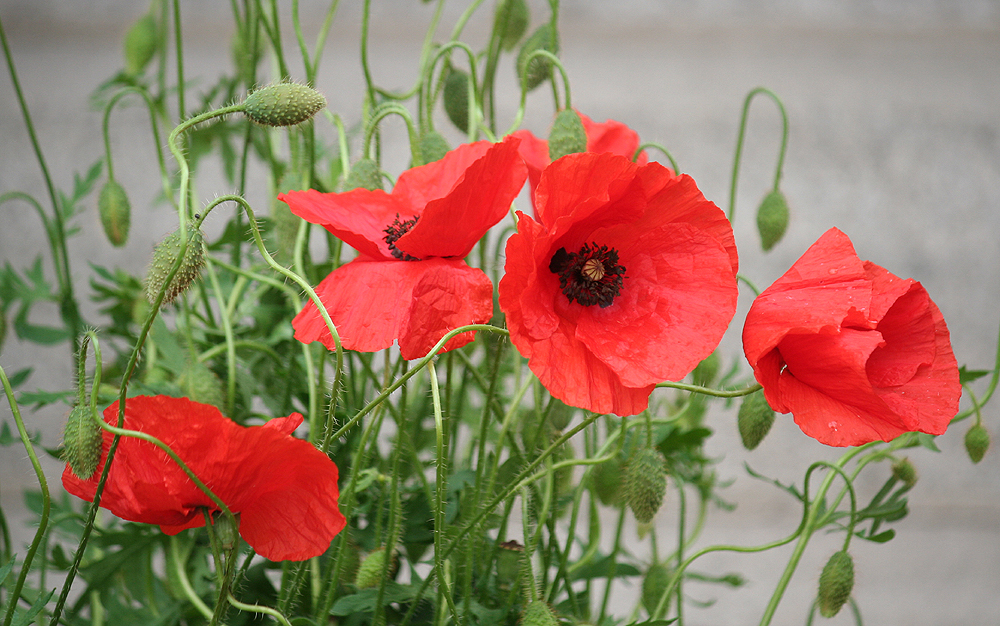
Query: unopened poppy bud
x=707, y=370
x=645, y=483
x=608, y=481
x=140, y=44
x=904, y=472
x=164, y=256
x=568, y=135
x=560, y=415
x=365, y=174
x=227, y=533
x=754, y=419
x=538, y=69
x=283, y=104
x=201, y=384
x=538, y=613
x=772, y=219
x=370, y=571
x=115, y=212
x=509, y=563
x=977, y=442
x=456, y=98
x=656, y=580
x=835, y=583
x=82, y=442
x=433, y=146
x=510, y=22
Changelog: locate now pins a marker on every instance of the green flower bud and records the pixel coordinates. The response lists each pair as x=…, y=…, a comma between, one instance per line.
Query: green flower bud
x=538, y=69
x=283, y=104
x=835, y=583
x=433, y=146
x=608, y=482
x=904, y=472
x=201, y=384
x=772, y=219
x=364, y=175
x=656, y=580
x=754, y=419
x=115, y=212
x=82, y=442
x=511, y=22
x=140, y=44
x=977, y=442
x=538, y=613
x=164, y=256
x=645, y=483
x=509, y=563
x=370, y=571
x=707, y=370
x=567, y=136
x=456, y=98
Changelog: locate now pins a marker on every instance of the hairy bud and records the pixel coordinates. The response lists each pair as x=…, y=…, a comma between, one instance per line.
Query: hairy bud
x=538, y=613
x=283, y=104
x=511, y=22
x=365, y=174
x=904, y=472
x=835, y=583
x=977, y=442
x=115, y=212
x=82, y=442
x=567, y=136
x=433, y=146
x=140, y=44
x=536, y=70
x=772, y=219
x=754, y=419
x=456, y=98
x=645, y=483
x=164, y=256
x=370, y=571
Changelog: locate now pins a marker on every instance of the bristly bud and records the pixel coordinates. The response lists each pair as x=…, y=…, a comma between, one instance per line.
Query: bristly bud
x=82, y=442
x=456, y=98
x=645, y=483
x=140, y=44
x=537, y=70
x=433, y=146
x=835, y=583
x=772, y=219
x=607, y=478
x=283, y=104
x=115, y=212
x=201, y=384
x=365, y=174
x=567, y=136
x=754, y=419
x=510, y=22
x=904, y=472
x=977, y=442
x=538, y=613
x=370, y=571
x=164, y=256
x=653, y=584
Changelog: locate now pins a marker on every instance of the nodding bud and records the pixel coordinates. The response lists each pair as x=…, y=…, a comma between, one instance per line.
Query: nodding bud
x=536, y=70
x=456, y=98
x=904, y=472
x=115, y=212
x=370, y=571
x=567, y=136
x=835, y=583
x=140, y=44
x=754, y=419
x=202, y=385
x=772, y=219
x=283, y=104
x=509, y=563
x=645, y=483
x=365, y=174
x=82, y=442
x=510, y=22
x=977, y=442
x=538, y=613
x=608, y=480
x=164, y=256
x=433, y=146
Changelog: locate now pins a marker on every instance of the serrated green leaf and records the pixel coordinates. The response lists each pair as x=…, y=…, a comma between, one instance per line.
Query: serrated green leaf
x=168, y=350
x=789, y=488
x=44, y=335
x=28, y=617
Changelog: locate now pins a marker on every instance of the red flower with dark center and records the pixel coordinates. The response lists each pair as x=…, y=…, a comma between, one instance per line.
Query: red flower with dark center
x=410, y=282
x=855, y=353
x=283, y=489
x=608, y=136
x=627, y=279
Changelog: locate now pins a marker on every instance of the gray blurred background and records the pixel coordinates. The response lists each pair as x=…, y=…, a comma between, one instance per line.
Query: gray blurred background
x=895, y=139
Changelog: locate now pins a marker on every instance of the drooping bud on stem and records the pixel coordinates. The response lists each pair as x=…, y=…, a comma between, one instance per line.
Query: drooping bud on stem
x=115, y=211
x=140, y=44
x=365, y=174
x=772, y=219
x=456, y=98
x=645, y=483
x=835, y=583
x=567, y=137
x=82, y=441
x=977, y=442
x=510, y=22
x=754, y=419
x=283, y=104
x=164, y=256
x=904, y=471
x=537, y=69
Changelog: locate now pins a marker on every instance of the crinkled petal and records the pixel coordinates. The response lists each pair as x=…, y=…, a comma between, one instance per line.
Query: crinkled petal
x=580, y=185
x=528, y=290
x=614, y=137
x=418, y=186
x=535, y=152
x=359, y=217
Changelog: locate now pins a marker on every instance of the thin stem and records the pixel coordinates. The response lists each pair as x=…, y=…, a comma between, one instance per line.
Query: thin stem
x=739, y=144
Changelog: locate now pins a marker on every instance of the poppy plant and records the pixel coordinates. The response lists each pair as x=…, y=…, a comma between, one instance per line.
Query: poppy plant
x=627, y=279
x=410, y=282
x=855, y=353
x=283, y=489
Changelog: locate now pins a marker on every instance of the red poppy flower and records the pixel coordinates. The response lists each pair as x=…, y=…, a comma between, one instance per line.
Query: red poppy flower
x=608, y=136
x=627, y=279
x=409, y=282
x=855, y=353
x=283, y=488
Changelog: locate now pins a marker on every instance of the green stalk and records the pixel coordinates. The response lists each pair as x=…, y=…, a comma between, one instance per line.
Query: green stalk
x=739, y=145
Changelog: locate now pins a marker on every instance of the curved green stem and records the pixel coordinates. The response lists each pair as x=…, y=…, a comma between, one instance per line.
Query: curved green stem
x=666, y=153
x=708, y=391
x=739, y=144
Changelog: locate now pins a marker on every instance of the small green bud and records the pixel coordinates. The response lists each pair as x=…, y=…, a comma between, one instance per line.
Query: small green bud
x=456, y=98
x=370, y=570
x=82, y=442
x=835, y=583
x=364, y=175
x=645, y=483
x=538, y=613
x=509, y=563
x=283, y=104
x=560, y=415
x=772, y=219
x=511, y=22
x=608, y=482
x=538, y=69
x=754, y=419
x=140, y=44
x=977, y=442
x=115, y=212
x=656, y=580
x=164, y=256
x=433, y=146
x=904, y=472
x=567, y=135
x=201, y=384
x=707, y=370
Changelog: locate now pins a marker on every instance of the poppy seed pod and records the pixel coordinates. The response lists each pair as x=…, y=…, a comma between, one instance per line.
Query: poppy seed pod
x=568, y=135
x=82, y=442
x=538, y=613
x=164, y=256
x=115, y=211
x=835, y=583
x=754, y=419
x=283, y=104
x=645, y=483
x=772, y=219
x=977, y=442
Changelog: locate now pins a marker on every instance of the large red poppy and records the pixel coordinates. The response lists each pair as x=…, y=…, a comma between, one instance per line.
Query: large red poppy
x=608, y=136
x=855, y=353
x=410, y=282
x=627, y=279
x=283, y=488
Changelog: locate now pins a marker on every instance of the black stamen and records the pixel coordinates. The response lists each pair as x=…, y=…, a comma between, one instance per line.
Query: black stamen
x=396, y=230
x=590, y=276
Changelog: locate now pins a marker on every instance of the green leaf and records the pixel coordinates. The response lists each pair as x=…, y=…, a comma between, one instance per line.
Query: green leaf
x=882, y=537
x=789, y=488
x=40, y=398
x=600, y=567
x=18, y=378
x=6, y=569
x=364, y=600
x=28, y=617
x=967, y=376
x=44, y=335
x=928, y=441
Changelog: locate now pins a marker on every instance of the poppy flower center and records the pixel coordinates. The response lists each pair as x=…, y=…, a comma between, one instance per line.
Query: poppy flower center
x=396, y=230
x=590, y=276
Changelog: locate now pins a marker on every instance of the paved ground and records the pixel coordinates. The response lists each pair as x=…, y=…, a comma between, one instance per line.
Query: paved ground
x=895, y=139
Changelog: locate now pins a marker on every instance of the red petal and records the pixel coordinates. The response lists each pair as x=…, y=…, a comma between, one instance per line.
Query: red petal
x=535, y=153
x=418, y=186
x=579, y=185
x=359, y=217
x=614, y=137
